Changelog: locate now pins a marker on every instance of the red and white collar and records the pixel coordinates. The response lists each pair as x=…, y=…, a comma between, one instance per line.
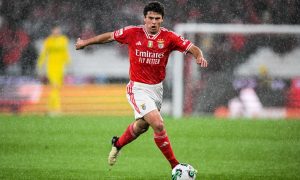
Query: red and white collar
x=150, y=36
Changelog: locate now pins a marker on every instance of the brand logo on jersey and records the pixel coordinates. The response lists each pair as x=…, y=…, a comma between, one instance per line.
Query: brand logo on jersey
x=147, y=57
x=160, y=43
x=147, y=54
x=138, y=43
x=150, y=44
x=119, y=32
x=143, y=106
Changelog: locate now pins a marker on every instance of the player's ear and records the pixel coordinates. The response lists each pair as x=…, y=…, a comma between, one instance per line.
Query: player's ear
x=162, y=18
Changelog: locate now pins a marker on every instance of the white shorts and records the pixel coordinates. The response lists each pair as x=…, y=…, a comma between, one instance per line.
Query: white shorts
x=144, y=98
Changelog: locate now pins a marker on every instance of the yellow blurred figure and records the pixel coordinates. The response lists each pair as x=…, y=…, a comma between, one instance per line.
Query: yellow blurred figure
x=55, y=56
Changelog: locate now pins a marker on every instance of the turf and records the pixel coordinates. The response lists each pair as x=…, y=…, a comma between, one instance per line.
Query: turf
x=76, y=147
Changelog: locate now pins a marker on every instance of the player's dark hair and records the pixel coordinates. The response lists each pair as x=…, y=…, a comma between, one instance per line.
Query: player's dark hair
x=154, y=6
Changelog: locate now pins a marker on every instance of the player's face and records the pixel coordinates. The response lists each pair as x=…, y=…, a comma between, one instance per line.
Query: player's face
x=56, y=31
x=153, y=22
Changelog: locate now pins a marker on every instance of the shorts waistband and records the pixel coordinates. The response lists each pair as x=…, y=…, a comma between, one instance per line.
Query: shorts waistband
x=144, y=84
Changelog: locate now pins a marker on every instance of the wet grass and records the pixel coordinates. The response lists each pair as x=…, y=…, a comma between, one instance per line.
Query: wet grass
x=76, y=147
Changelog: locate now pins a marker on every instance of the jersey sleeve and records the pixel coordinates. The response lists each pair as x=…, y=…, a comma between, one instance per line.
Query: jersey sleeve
x=179, y=43
x=123, y=35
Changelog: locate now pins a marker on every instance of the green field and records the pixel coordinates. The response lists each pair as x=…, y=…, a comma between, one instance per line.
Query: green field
x=76, y=147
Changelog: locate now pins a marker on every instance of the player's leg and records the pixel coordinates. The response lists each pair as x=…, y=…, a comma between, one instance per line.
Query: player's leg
x=135, y=129
x=160, y=136
x=55, y=80
x=54, y=99
x=136, y=99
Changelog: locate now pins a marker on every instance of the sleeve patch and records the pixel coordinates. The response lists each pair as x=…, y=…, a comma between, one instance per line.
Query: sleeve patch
x=119, y=32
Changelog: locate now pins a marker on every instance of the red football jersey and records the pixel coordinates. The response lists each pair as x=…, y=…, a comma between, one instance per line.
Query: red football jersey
x=148, y=54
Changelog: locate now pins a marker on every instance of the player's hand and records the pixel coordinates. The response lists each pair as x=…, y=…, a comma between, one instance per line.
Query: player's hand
x=79, y=44
x=202, y=62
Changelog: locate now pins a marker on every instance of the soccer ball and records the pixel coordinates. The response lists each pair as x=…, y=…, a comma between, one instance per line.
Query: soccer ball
x=184, y=171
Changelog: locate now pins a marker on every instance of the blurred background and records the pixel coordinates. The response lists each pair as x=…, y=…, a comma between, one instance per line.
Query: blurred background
x=249, y=75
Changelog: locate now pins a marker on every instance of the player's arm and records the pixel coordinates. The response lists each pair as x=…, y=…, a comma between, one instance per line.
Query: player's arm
x=197, y=53
x=100, y=39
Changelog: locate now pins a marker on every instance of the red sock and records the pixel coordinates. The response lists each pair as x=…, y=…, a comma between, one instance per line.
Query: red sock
x=126, y=137
x=162, y=141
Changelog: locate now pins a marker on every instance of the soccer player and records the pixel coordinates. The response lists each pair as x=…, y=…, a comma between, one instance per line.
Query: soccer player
x=55, y=55
x=149, y=48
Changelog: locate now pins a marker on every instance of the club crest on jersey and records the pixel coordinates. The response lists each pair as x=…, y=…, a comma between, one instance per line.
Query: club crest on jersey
x=150, y=44
x=160, y=43
x=143, y=106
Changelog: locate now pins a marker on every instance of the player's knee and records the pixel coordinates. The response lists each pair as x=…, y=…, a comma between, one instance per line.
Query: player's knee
x=159, y=126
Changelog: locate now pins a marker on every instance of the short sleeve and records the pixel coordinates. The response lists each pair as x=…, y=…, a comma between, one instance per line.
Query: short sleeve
x=180, y=43
x=123, y=35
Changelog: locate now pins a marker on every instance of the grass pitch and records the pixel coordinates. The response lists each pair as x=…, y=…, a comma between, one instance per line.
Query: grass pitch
x=76, y=147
